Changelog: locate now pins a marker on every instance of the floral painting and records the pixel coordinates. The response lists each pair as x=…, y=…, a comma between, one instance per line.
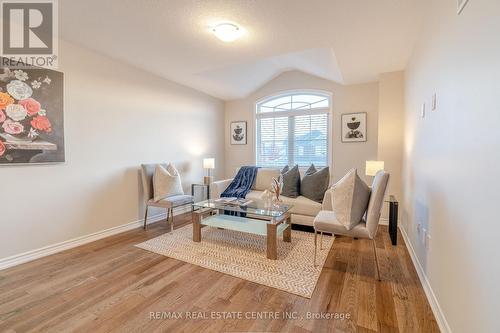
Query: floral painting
x=31, y=116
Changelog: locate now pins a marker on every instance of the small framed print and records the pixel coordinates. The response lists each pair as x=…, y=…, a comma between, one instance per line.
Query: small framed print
x=354, y=127
x=238, y=132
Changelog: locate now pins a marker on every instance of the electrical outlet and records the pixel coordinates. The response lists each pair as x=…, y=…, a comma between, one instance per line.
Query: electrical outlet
x=422, y=111
x=434, y=102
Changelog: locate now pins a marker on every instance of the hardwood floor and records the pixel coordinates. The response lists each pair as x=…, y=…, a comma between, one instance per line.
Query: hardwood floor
x=110, y=285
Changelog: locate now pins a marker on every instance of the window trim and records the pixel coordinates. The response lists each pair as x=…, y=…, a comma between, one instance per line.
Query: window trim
x=292, y=113
x=284, y=93
x=328, y=111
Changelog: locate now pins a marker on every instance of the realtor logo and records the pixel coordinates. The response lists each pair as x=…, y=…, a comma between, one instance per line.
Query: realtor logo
x=29, y=33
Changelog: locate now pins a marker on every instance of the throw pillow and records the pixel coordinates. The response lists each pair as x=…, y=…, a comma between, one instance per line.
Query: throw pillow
x=350, y=199
x=315, y=183
x=291, y=182
x=166, y=182
x=310, y=170
x=264, y=178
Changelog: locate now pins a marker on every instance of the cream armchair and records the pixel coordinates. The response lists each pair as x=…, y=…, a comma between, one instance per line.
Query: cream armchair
x=169, y=203
x=327, y=200
x=326, y=221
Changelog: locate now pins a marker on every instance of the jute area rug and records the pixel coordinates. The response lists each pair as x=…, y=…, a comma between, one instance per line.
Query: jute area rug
x=244, y=256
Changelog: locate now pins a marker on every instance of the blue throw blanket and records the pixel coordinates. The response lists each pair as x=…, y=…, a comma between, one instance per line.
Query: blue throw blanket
x=242, y=183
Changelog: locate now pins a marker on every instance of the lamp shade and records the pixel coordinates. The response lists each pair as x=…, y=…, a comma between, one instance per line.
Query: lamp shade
x=209, y=163
x=372, y=167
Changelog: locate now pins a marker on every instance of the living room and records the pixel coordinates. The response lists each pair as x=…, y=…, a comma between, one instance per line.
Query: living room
x=250, y=166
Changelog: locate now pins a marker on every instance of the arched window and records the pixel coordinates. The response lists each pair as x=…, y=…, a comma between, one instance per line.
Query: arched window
x=293, y=128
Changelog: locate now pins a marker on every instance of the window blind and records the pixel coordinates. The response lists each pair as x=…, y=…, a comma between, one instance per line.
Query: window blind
x=272, y=145
x=292, y=136
x=310, y=141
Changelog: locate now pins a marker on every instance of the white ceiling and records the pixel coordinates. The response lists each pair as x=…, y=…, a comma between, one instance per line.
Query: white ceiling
x=347, y=41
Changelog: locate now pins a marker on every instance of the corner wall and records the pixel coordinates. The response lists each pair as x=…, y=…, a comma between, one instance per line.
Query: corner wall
x=451, y=158
x=391, y=130
x=116, y=117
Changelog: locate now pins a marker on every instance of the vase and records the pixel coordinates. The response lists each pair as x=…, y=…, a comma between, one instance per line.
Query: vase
x=16, y=139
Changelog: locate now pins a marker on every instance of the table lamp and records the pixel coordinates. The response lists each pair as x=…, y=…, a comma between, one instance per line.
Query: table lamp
x=208, y=163
x=372, y=167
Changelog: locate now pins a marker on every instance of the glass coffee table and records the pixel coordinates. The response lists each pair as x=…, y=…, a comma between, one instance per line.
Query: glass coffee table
x=258, y=218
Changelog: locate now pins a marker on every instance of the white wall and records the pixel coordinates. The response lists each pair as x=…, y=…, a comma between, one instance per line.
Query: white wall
x=452, y=157
x=391, y=130
x=116, y=117
x=346, y=99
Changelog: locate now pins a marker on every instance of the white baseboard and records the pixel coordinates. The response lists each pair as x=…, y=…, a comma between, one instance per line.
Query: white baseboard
x=431, y=297
x=21, y=258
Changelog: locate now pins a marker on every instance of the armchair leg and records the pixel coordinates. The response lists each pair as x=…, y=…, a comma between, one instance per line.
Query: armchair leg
x=172, y=222
x=376, y=259
x=145, y=217
x=315, y=246
x=321, y=240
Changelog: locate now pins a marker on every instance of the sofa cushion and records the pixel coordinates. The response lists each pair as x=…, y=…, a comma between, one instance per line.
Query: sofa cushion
x=291, y=181
x=315, y=183
x=301, y=205
x=327, y=221
x=255, y=195
x=302, y=219
x=264, y=178
x=350, y=199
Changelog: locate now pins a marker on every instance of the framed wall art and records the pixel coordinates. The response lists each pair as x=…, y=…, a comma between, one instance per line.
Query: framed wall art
x=354, y=127
x=238, y=132
x=31, y=116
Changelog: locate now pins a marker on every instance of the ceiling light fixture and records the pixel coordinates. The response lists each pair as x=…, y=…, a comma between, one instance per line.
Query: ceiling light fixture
x=227, y=32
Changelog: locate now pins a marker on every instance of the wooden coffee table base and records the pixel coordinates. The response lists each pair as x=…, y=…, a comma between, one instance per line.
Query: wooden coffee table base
x=272, y=246
x=197, y=216
x=271, y=237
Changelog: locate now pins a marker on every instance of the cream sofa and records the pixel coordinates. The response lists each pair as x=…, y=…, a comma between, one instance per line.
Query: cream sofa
x=303, y=211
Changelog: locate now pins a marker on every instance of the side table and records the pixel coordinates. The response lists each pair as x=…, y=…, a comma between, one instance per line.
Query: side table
x=206, y=191
x=393, y=219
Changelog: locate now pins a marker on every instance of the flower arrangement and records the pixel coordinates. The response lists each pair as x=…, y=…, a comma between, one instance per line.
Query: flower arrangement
x=277, y=185
x=22, y=117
